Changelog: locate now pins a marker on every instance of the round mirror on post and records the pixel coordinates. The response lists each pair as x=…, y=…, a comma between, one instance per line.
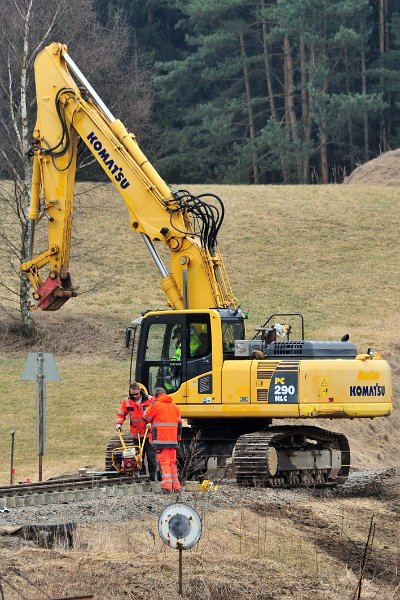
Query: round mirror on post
x=179, y=526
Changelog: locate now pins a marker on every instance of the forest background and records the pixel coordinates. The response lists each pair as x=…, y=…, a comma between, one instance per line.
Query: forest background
x=293, y=91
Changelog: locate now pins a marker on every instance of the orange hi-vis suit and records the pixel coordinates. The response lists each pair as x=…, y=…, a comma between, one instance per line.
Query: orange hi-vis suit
x=135, y=411
x=166, y=423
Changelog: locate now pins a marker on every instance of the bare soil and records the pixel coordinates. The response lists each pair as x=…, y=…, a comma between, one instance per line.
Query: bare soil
x=64, y=335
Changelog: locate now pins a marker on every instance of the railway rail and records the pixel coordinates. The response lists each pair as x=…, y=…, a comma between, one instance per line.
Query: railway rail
x=73, y=489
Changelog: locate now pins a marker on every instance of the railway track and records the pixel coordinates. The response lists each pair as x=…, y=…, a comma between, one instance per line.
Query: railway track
x=74, y=489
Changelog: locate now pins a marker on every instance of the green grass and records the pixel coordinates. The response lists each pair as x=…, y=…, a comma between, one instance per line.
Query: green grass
x=80, y=415
x=329, y=252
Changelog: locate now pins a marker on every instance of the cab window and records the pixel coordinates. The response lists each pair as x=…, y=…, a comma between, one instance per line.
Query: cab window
x=231, y=331
x=200, y=339
x=163, y=355
x=155, y=349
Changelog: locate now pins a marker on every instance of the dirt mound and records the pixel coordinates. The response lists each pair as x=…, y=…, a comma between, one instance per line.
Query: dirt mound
x=384, y=170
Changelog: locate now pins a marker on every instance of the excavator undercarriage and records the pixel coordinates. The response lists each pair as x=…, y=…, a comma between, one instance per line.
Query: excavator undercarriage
x=291, y=456
x=278, y=456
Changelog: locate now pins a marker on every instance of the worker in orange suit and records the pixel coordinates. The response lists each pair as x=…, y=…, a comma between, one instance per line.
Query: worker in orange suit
x=135, y=406
x=166, y=429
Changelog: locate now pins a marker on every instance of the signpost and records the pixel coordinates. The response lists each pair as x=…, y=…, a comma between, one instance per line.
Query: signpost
x=40, y=367
x=12, y=471
x=179, y=527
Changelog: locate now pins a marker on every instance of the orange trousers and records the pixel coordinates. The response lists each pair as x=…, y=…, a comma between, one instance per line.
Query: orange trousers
x=169, y=472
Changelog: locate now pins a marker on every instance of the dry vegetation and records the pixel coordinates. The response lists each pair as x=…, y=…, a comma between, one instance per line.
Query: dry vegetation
x=256, y=544
x=329, y=252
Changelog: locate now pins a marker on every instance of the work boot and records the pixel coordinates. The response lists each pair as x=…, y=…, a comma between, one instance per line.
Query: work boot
x=166, y=492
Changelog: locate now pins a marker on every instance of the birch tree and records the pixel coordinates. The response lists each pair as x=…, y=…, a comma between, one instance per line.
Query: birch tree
x=26, y=27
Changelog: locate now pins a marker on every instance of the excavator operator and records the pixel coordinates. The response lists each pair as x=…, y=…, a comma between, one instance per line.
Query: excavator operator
x=194, y=342
x=172, y=380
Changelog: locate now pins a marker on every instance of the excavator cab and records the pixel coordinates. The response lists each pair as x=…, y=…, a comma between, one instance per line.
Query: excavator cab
x=173, y=348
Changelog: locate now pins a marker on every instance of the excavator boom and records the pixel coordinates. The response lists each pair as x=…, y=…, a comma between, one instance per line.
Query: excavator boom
x=196, y=276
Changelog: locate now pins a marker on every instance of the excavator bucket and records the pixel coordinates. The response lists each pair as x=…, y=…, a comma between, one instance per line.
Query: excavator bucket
x=54, y=292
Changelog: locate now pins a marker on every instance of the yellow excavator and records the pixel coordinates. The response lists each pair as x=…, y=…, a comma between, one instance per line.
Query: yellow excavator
x=229, y=388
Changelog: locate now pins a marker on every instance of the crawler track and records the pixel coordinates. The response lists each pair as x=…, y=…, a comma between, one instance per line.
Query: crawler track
x=291, y=457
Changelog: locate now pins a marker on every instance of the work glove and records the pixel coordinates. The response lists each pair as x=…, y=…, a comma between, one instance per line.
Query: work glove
x=118, y=427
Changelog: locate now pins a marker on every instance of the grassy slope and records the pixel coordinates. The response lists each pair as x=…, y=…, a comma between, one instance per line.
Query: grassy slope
x=328, y=252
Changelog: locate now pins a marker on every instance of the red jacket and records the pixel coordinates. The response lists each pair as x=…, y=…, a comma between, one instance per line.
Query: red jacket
x=135, y=411
x=165, y=419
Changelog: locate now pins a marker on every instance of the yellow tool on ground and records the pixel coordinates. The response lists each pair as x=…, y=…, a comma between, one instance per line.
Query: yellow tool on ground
x=129, y=459
x=207, y=486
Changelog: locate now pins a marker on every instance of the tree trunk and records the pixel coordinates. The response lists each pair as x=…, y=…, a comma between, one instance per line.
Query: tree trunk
x=305, y=110
x=267, y=63
x=382, y=11
x=287, y=175
x=256, y=174
x=27, y=225
x=364, y=92
x=324, y=154
x=382, y=50
x=349, y=121
x=289, y=94
x=323, y=138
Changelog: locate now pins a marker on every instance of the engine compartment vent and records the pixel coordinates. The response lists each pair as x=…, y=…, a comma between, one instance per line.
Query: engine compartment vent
x=312, y=349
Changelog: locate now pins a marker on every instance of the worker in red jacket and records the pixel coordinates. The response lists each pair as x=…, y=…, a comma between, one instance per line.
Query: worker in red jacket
x=166, y=429
x=134, y=406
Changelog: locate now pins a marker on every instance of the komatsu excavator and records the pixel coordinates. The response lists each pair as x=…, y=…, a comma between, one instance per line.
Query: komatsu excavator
x=229, y=389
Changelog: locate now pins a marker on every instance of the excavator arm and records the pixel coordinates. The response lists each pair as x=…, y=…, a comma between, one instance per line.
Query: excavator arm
x=68, y=108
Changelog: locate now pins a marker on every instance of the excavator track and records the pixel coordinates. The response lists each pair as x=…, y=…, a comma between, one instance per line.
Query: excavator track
x=291, y=456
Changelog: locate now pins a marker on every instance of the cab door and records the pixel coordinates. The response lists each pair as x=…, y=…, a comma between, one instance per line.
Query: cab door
x=175, y=348
x=161, y=357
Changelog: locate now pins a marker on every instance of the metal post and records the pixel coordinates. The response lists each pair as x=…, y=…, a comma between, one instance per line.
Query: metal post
x=40, y=367
x=180, y=572
x=41, y=410
x=12, y=457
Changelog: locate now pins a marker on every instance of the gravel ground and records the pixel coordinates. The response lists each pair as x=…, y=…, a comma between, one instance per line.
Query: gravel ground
x=360, y=483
